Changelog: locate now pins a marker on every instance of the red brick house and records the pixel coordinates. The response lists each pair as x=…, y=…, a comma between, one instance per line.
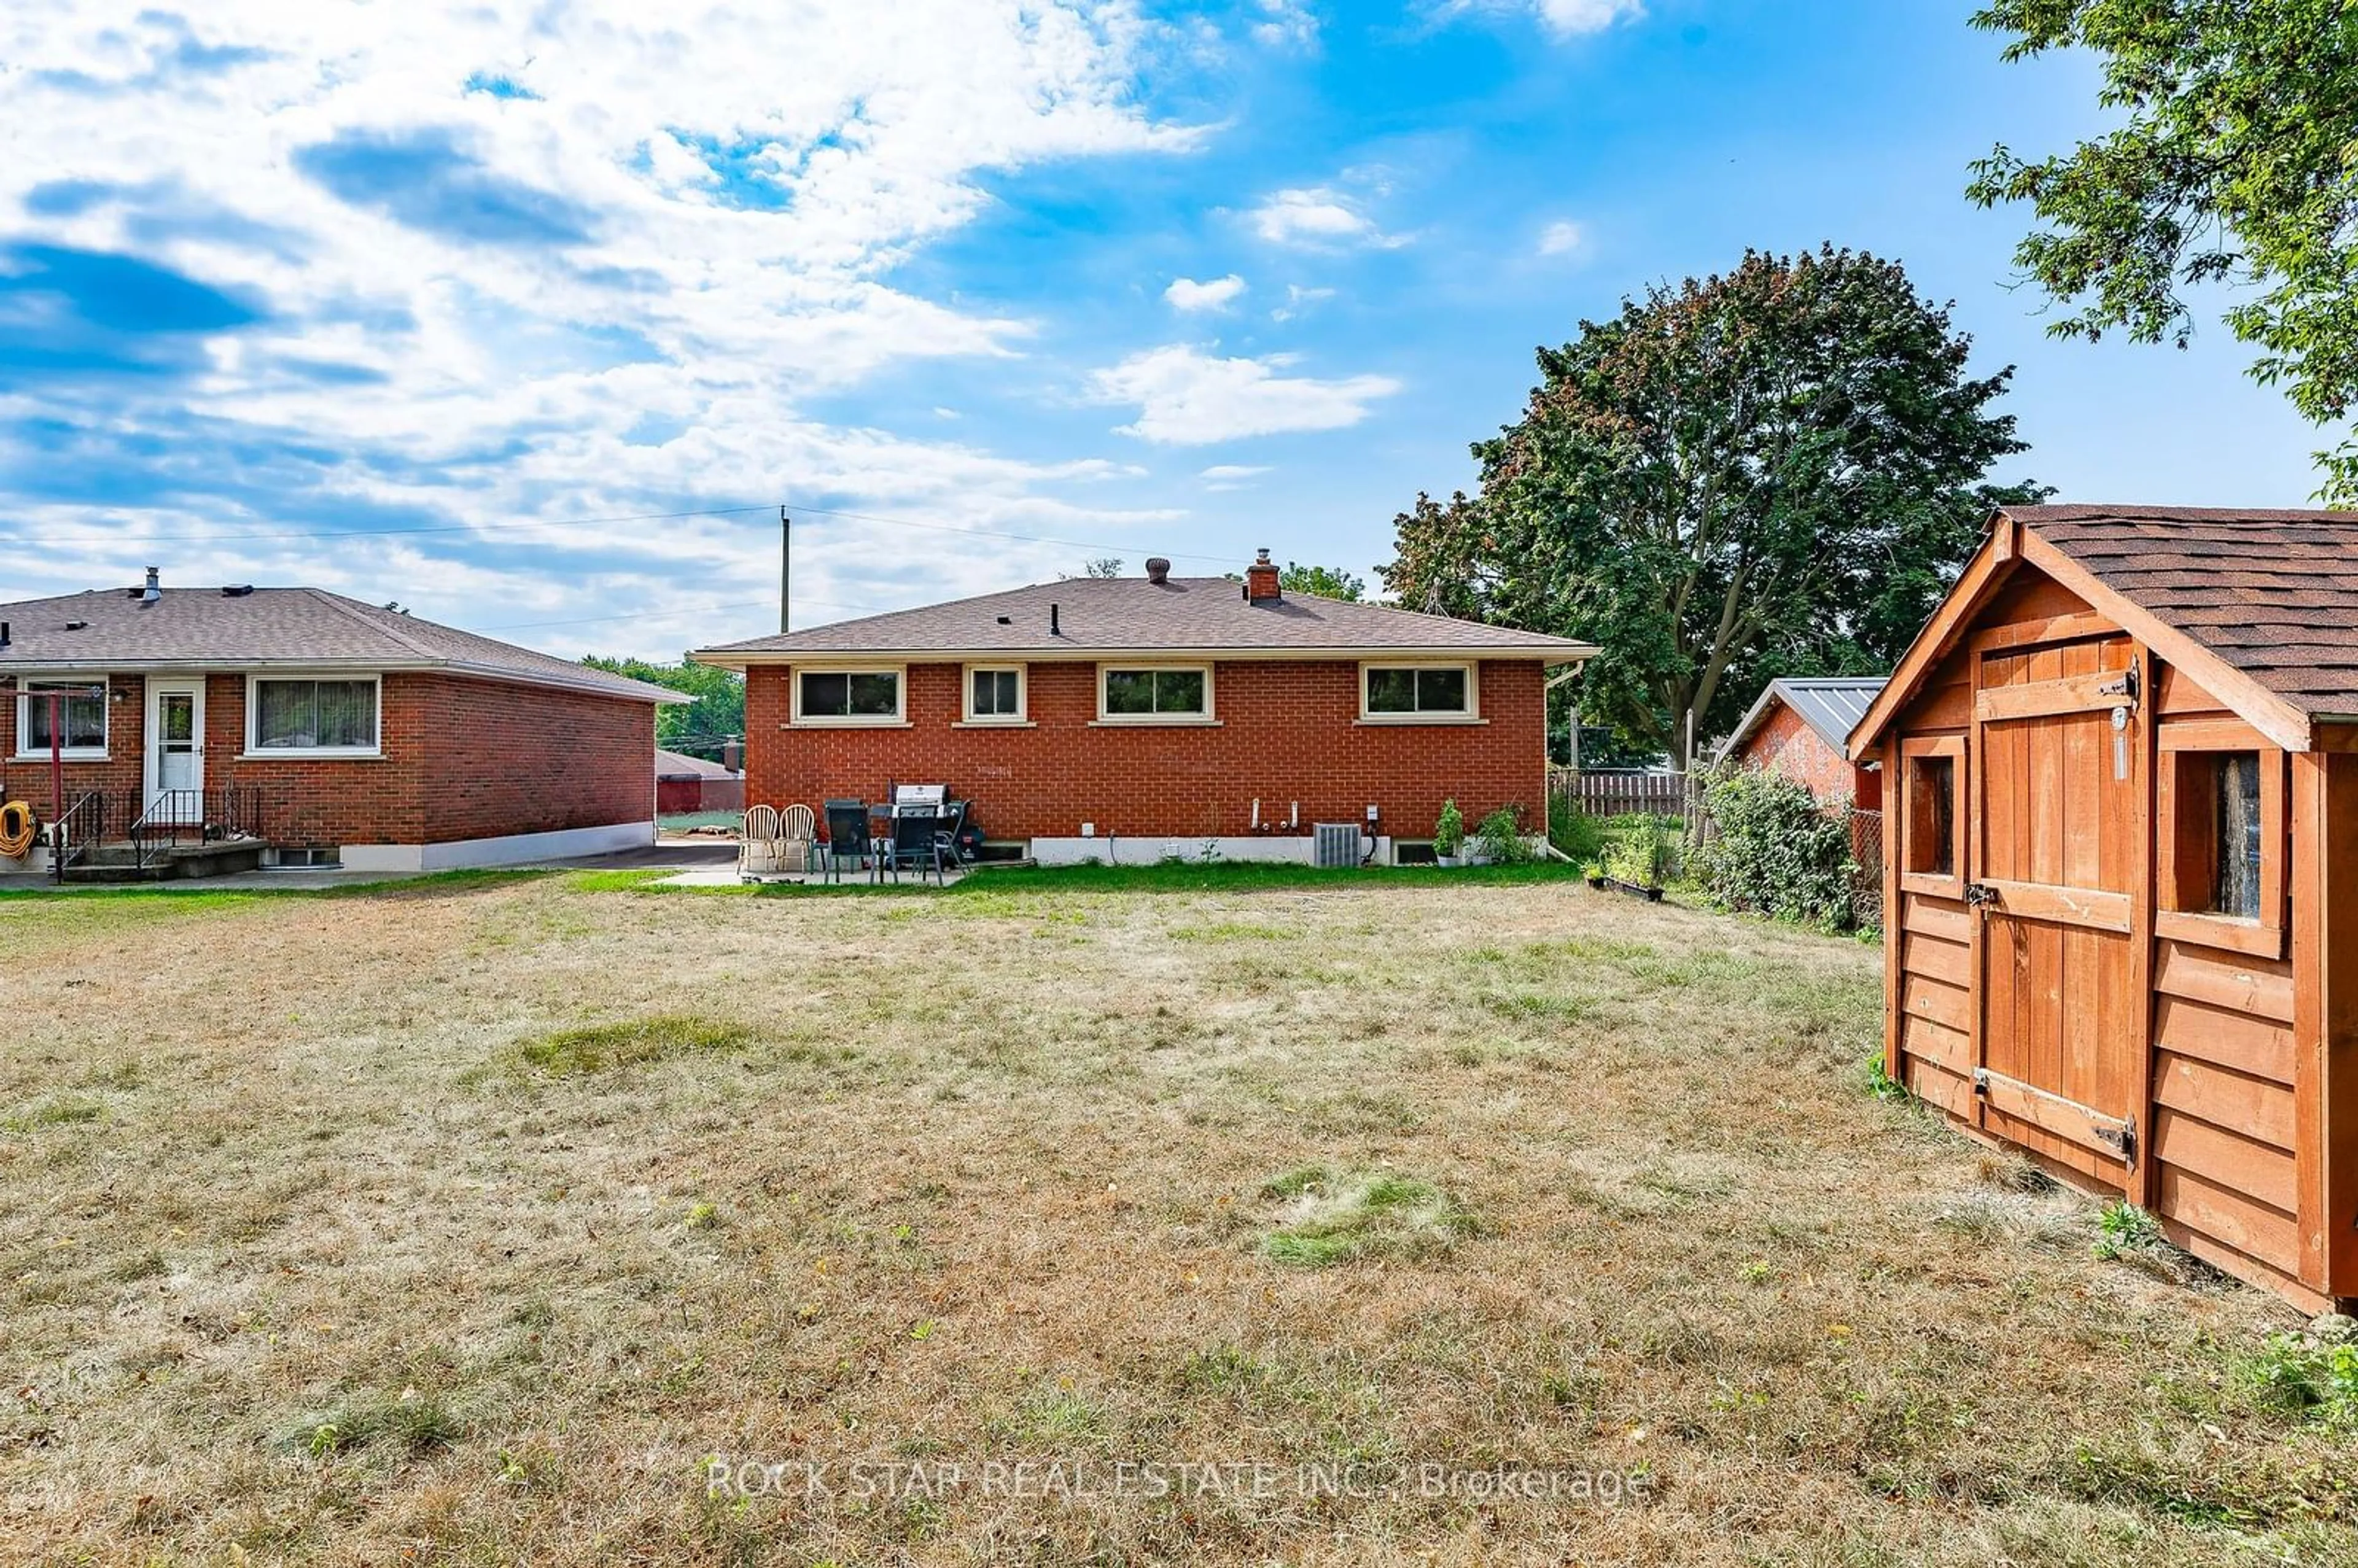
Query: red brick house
x=333, y=730
x=1137, y=718
x=1799, y=728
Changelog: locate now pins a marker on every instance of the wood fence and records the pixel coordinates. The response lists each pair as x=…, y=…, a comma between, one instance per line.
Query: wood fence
x=1622, y=794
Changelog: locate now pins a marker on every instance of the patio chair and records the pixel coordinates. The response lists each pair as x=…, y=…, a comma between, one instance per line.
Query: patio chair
x=757, y=844
x=797, y=838
x=917, y=843
x=847, y=835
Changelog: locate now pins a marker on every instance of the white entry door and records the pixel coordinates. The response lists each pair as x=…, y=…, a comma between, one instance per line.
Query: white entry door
x=176, y=751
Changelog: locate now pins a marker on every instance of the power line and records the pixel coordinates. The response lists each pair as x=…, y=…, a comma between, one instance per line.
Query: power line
x=102, y=541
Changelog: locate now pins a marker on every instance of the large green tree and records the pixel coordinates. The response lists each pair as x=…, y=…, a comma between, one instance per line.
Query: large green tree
x=2234, y=162
x=697, y=728
x=1325, y=582
x=1776, y=471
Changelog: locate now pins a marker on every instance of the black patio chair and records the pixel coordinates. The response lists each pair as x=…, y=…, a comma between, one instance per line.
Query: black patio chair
x=846, y=836
x=916, y=844
x=952, y=828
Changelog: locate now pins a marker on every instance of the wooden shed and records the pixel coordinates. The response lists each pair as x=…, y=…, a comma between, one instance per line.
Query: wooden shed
x=2121, y=892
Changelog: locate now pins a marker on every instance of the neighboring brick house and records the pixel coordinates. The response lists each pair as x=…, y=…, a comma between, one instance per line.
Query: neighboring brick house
x=1131, y=719
x=685, y=785
x=1799, y=728
x=346, y=732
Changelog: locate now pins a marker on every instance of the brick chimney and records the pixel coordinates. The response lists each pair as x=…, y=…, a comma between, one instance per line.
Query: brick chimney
x=1261, y=581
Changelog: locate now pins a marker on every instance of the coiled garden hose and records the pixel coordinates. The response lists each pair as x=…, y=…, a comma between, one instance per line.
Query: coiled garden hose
x=17, y=830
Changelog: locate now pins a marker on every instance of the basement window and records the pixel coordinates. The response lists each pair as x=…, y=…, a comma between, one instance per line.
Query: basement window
x=848, y=696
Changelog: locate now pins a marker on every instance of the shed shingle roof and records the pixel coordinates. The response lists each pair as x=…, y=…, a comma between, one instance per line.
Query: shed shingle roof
x=1132, y=615
x=305, y=627
x=2272, y=593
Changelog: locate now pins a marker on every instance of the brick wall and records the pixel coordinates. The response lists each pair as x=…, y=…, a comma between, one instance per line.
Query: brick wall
x=1786, y=744
x=462, y=758
x=1288, y=731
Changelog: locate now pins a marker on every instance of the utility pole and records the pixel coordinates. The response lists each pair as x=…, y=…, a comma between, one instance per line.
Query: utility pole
x=786, y=571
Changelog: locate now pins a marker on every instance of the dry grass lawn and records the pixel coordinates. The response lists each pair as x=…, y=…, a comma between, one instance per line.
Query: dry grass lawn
x=467, y=1223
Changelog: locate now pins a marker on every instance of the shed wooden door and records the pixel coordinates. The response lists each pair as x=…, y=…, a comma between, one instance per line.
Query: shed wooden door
x=2060, y=850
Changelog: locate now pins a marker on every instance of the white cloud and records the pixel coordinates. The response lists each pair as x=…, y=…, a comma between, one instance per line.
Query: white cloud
x=1298, y=299
x=1560, y=238
x=1187, y=397
x=1316, y=216
x=1561, y=18
x=562, y=261
x=1187, y=294
x=1288, y=22
x=1232, y=476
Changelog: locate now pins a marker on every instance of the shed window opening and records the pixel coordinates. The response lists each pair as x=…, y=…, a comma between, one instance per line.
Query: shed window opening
x=854, y=694
x=997, y=694
x=1154, y=692
x=1932, y=816
x=1413, y=690
x=315, y=714
x=2236, y=879
x=80, y=717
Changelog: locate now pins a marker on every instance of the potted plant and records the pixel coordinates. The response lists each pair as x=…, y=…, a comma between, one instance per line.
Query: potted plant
x=1448, y=834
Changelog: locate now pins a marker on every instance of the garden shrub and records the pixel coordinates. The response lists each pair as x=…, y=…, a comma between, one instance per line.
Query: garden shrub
x=1779, y=852
x=1643, y=852
x=1576, y=835
x=1500, y=838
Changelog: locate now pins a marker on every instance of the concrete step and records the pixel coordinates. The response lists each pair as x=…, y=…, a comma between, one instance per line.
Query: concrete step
x=119, y=862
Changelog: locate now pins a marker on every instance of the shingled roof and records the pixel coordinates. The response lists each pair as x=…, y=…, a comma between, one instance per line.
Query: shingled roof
x=258, y=628
x=2275, y=594
x=1097, y=616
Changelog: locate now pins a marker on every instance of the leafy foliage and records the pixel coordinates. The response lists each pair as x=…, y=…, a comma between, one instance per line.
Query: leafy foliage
x=1643, y=852
x=1500, y=838
x=1449, y=830
x=696, y=729
x=1779, y=850
x=1576, y=836
x=1101, y=567
x=1325, y=582
x=2292, y=1375
x=1776, y=471
x=2231, y=165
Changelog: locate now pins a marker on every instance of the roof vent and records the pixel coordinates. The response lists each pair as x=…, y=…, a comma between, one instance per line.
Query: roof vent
x=1158, y=570
x=155, y=589
x=76, y=626
x=1006, y=621
x=240, y=591
x=1056, y=621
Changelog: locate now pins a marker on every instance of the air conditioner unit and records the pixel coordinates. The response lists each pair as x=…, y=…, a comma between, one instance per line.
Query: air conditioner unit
x=1336, y=844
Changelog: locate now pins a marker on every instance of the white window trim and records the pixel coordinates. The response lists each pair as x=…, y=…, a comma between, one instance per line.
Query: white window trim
x=897, y=719
x=28, y=752
x=1471, y=714
x=1020, y=719
x=1211, y=710
x=254, y=683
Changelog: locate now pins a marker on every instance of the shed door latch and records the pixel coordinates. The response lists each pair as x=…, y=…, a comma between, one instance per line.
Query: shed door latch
x=1980, y=895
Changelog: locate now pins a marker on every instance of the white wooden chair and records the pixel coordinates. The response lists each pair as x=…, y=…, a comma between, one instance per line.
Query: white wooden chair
x=797, y=840
x=757, y=845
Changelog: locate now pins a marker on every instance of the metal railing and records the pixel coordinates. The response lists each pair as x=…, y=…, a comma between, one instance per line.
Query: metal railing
x=190, y=815
x=82, y=826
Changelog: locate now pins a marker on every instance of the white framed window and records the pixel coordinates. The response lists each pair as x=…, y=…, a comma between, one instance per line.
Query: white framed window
x=81, y=716
x=1154, y=694
x=996, y=694
x=1420, y=693
x=313, y=716
x=846, y=695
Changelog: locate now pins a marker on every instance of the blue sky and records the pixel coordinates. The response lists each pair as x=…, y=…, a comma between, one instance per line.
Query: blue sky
x=981, y=290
